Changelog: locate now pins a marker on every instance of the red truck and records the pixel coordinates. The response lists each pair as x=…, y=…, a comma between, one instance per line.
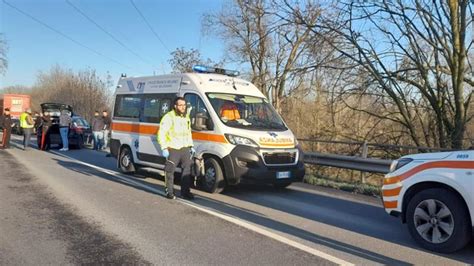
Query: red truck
x=17, y=103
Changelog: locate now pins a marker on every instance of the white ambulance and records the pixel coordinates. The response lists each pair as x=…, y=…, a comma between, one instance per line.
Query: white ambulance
x=434, y=194
x=237, y=132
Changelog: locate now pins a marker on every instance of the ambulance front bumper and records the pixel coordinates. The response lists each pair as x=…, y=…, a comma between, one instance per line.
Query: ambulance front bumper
x=263, y=166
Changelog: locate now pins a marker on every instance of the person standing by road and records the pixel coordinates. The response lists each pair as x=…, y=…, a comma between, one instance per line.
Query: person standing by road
x=47, y=123
x=175, y=139
x=64, y=123
x=107, y=122
x=26, y=124
x=6, y=124
x=38, y=128
x=97, y=130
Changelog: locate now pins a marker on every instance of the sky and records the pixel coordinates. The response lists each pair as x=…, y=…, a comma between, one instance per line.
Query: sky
x=130, y=46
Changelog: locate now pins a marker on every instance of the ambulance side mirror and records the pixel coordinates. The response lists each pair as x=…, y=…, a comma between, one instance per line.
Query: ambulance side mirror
x=202, y=122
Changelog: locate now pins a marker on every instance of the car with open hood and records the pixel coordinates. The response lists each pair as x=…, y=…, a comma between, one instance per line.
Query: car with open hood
x=79, y=129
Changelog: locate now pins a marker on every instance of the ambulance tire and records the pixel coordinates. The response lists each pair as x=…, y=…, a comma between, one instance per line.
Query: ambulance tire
x=125, y=161
x=455, y=216
x=213, y=179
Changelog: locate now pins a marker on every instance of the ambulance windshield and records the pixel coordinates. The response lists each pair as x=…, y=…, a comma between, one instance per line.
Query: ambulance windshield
x=247, y=112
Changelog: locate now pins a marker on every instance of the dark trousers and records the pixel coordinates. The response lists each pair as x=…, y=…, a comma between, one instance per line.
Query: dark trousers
x=181, y=157
x=27, y=137
x=38, y=137
x=6, y=138
x=45, y=138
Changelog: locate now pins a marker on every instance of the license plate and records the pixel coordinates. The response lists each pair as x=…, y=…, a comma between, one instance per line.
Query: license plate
x=281, y=175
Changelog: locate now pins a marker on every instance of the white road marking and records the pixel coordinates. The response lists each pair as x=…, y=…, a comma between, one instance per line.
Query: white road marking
x=225, y=217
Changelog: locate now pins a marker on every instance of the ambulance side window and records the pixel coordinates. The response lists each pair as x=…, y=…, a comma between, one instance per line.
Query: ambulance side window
x=196, y=108
x=151, y=109
x=155, y=106
x=127, y=107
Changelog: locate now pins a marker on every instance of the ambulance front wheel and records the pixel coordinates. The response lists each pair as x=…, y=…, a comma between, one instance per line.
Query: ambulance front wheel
x=125, y=160
x=213, y=179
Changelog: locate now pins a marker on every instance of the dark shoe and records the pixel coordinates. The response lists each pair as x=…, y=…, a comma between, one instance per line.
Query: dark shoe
x=170, y=196
x=188, y=196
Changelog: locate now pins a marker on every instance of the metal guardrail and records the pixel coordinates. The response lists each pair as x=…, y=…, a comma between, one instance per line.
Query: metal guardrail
x=348, y=162
x=364, y=146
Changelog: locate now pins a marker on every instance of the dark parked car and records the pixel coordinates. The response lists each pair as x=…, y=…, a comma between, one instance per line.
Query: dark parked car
x=79, y=130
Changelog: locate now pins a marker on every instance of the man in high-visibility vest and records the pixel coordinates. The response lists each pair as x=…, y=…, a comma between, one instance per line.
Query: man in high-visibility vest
x=175, y=139
x=26, y=124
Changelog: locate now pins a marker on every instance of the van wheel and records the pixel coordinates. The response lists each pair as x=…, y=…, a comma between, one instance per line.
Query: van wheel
x=438, y=220
x=126, y=161
x=213, y=179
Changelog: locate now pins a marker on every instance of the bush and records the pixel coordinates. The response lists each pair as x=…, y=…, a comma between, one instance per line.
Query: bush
x=365, y=189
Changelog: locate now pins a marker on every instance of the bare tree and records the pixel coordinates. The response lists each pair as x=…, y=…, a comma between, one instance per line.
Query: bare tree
x=262, y=35
x=84, y=90
x=416, y=54
x=183, y=60
x=244, y=27
x=16, y=89
x=3, y=54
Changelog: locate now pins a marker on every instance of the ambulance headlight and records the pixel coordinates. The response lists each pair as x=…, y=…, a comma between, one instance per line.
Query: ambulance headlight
x=397, y=164
x=238, y=140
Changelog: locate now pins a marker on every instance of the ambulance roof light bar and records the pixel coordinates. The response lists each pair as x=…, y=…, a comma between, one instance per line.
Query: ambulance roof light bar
x=205, y=69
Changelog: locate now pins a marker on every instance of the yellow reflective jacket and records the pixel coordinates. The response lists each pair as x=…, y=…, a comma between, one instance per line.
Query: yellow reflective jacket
x=175, y=131
x=26, y=122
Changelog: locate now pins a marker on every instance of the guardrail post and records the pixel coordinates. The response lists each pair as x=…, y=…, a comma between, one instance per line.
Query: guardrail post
x=365, y=151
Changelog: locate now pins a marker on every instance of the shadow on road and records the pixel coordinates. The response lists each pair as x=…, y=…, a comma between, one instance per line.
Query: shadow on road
x=244, y=214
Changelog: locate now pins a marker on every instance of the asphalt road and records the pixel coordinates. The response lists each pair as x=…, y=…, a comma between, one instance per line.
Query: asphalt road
x=73, y=207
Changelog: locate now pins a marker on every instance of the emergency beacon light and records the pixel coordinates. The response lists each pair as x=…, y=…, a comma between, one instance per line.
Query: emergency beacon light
x=205, y=69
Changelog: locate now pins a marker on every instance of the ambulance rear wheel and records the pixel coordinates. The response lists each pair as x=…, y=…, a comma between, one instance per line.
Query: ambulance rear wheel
x=213, y=179
x=438, y=220
x=125, y=161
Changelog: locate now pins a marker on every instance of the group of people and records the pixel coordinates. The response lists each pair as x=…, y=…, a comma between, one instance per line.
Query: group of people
x=42, y=123
x=26, y=123
x=174, y=137
x=100, y=126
